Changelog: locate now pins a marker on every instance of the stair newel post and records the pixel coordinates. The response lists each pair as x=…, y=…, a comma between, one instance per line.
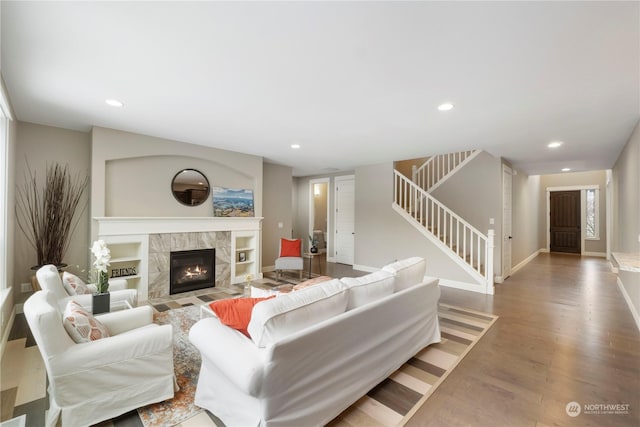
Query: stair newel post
x=490, y=247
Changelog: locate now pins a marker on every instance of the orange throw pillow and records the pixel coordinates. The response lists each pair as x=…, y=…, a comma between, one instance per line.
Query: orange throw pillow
x=290, y=248
x=236, y=313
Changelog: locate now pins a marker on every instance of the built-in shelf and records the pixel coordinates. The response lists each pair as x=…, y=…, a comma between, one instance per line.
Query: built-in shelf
x=243, y=246
x=128, y=252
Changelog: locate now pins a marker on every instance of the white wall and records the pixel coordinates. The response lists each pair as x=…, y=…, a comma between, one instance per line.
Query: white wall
x=626, y=207
x=40, y=146
x=278, y=208
x=475, y=193
x=525, y=217
x=626, y=177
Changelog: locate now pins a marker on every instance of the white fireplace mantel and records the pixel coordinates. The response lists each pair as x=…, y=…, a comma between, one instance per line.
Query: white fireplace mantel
x=129, y=237
x=117, y=226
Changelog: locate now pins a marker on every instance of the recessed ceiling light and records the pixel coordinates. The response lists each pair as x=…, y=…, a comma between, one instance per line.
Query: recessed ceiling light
x=445, y=107
x=555, y=144
x=566, y=169
x=295, y=146
x=114, y=103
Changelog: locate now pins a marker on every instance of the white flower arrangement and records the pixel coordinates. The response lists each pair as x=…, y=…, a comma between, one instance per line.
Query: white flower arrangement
x=103, y=257
x=249, y=278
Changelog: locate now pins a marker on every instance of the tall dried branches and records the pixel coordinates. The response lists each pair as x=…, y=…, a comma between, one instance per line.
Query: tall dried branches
x=48, y=215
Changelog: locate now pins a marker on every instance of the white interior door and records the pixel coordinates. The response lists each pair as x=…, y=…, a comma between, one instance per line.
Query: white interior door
x=345, y=219
x=507, y=182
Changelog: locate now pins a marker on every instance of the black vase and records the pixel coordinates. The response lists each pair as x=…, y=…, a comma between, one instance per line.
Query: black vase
x=101, y=303
x=313, y=250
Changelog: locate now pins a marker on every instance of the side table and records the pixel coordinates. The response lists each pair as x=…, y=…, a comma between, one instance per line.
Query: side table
x=311, y=256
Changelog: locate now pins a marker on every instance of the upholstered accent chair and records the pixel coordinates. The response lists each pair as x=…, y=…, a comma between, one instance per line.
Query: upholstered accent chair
x=49, y=279
x=98, y=380
x=289, y=256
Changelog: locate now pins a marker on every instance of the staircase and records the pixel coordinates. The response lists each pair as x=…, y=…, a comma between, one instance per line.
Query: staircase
x=467, y=246
x=439, y=168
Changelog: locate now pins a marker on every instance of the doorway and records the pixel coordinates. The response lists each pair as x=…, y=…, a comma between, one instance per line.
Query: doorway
x=319, y=213
x=507, y=213
x=564, y=221
x=345, y=219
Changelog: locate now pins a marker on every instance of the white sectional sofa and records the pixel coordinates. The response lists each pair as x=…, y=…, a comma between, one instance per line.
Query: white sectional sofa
x=316, y=351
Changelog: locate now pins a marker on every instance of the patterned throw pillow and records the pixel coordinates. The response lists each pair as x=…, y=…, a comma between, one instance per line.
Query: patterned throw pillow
x=82, y=326
x=74, y=285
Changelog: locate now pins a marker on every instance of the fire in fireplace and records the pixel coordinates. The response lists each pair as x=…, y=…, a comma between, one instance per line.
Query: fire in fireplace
x=192, y=270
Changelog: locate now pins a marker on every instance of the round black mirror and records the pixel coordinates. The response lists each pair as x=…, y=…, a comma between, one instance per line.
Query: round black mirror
x=190, y=187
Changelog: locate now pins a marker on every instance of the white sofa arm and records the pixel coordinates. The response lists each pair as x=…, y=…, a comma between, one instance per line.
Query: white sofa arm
x=231, y=352
x=83, y=358
x=126, y=320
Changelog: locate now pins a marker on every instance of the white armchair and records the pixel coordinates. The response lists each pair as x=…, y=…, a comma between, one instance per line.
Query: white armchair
x=99, y=380
x=49, y=279
x=289, y=257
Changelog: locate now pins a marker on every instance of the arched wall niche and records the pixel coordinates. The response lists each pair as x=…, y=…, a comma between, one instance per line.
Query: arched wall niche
x=132, y=193
x=131, y=174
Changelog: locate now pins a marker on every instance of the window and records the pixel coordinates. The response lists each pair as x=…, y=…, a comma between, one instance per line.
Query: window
x=592, y=209
x=4, y=182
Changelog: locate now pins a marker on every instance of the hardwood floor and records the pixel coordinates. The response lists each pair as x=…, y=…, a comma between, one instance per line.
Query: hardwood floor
x=565, y=334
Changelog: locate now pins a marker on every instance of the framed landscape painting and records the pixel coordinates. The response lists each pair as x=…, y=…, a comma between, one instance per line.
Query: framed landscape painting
x=229, y=202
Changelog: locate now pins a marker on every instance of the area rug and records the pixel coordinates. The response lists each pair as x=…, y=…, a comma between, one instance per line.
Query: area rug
x=186, y=362
x=391, y=403
x=396, y=399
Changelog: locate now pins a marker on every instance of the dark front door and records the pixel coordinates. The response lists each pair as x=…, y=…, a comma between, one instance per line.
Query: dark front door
x=565, y=221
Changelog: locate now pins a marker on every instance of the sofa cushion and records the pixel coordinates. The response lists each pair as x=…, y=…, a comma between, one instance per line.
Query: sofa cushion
x=408, y=272
x=236, y=312
x=81, y=325
x=365, y=289
x=277, y=318
x=73, y=284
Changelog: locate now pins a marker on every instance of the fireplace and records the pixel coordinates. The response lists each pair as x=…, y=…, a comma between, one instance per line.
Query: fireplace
x=192, y=270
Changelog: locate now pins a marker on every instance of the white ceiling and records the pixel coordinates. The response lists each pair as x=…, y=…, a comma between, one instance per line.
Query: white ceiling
x=353, y=83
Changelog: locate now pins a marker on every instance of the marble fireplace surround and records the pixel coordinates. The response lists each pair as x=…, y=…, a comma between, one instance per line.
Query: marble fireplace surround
x=157, y=237
x=162, y=244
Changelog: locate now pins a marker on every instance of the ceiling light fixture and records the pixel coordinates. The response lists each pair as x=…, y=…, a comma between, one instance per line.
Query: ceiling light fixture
x=555, y=144
x=295, y=146
x=114, y=103
x=445, y=107
x=566, y=169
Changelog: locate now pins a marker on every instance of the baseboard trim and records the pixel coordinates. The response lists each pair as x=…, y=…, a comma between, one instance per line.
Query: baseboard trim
x=268, y=268
x=463, y=286
x=627, y=298
x=598, y=254
x=527, y=260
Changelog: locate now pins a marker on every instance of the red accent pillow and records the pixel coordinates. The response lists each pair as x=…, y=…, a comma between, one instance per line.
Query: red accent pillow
x=236, y=312
x=290, y=248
